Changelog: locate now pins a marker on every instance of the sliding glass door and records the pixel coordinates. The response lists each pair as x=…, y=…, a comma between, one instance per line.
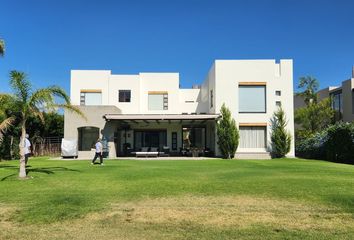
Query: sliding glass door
x=194, y=137
x=150, y=138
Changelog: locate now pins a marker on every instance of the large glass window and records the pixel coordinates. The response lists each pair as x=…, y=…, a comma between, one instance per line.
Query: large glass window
x=150, y=138
x=90, y=98
x=252, y=99
x=124, y=95
x=158, y=101
x=337, y=102
x=252, y=137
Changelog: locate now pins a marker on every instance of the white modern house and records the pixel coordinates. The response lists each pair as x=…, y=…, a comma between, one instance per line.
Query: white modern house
x=150, y=110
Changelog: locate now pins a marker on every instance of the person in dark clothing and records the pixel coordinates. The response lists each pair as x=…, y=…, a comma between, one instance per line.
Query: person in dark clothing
x=98, y=152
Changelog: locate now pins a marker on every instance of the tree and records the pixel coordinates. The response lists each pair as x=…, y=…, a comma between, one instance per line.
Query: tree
x=4, y=122
x=314, y=117
x=2, y=47
x=228, y=135
x=26, y=102
x=309, y=86
x=280, y=137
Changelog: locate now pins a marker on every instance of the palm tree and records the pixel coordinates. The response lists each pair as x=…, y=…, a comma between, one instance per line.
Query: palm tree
x=310, y=86
x=26, y=102
x=2, y=47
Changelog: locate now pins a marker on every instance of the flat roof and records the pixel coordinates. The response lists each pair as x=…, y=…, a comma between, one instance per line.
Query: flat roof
x=161, y=117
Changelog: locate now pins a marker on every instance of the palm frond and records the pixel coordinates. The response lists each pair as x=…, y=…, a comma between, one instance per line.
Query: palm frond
x=5, y=124
x=71, y=108
x=47, y=99
x=41, y=99
x=34, y=111
x=20, y=85
x=60, y=93
x=2, y=47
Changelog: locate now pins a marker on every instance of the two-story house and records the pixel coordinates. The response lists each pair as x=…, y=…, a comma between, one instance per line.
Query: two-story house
x=130, y=112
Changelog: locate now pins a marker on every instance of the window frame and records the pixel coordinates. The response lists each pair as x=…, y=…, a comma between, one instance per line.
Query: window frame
x=164, y=95
x=83, y=93
x=248, y=85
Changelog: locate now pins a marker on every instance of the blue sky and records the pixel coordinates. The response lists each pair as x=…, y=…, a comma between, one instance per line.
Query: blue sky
x=47, y=39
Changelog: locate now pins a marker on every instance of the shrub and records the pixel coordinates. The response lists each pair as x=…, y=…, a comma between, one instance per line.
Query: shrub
x=335, y=143
x=280, y=138
x=312, y=146
x=228, y=135
x=340, y=143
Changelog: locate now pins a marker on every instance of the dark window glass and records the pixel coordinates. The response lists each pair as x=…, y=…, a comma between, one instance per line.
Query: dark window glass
x=211, y=99
x=124, y=95
x=174, y=141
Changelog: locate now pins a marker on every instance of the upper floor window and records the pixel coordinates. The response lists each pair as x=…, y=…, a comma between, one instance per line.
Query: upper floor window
x=277, y=93
x=252, y=98
x=211, y=98
x=158, y=101
x=124, y=95
x=90, y=97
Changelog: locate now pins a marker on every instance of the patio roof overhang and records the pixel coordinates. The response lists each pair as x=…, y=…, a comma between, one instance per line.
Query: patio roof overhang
x=135, y=118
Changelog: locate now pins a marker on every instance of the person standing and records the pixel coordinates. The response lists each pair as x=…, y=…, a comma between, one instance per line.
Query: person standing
x=98, y=153
x=27, y=149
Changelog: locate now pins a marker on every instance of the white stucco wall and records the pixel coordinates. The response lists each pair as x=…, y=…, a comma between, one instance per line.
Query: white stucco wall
x=125, y=82
x=278, y=76
x=89, y=80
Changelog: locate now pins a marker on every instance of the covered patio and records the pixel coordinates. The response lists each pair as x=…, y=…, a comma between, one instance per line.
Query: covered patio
x=163, y=135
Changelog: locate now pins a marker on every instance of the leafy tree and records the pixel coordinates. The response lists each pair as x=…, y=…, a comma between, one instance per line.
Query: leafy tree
x=314, y=117
x=26, y=102
x=5, y=121
x=2, y=47
x=228, y=135
x=309, y=86
x=280, y=138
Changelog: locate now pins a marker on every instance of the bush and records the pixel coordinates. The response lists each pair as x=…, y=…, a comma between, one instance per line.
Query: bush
x=228, y=135
x=312, y=146
x=281, y=138
x=335, y=143
x=340, y=143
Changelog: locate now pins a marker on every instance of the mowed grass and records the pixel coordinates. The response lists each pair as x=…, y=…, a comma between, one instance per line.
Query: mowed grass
x=204, y=199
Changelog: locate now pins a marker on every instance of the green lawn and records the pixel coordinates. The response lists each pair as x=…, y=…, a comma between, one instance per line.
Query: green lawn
x=207, y=199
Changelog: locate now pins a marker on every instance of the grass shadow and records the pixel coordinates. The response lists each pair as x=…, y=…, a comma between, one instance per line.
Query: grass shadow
x=46, y=170
x=50, y=170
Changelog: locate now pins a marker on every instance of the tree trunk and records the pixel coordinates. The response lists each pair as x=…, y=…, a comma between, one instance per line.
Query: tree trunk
x=11, y=147
x=22, y=173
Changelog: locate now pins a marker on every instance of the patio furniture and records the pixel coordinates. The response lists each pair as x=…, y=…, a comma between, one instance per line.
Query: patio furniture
x=165, y=152
x=146, y=153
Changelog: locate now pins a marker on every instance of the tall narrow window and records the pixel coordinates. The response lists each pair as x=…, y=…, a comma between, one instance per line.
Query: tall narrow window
x=211, y=98
x=252, y=99
x=158, y=101
x=174, y=141
x=90, y=98
x=124, y=95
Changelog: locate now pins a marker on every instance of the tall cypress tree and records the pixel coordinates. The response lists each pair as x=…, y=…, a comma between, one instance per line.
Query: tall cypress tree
x=280, y=138
x=228, y=135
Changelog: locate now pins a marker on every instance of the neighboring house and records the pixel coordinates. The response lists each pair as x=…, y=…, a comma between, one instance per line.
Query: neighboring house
x=342, y=99
x=151, y=110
